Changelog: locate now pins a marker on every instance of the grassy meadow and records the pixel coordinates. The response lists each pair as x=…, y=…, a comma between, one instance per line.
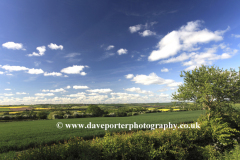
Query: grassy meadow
x=17, y=136
x=25, y=134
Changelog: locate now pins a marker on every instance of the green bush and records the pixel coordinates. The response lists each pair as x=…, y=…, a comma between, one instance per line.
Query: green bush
x=6, y=113
x=129, y=114
x=120, y=114
x=42, y=115
x=95, y=110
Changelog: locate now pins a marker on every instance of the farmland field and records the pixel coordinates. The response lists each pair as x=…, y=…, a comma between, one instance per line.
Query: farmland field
x=4, y=109
x=22, y=135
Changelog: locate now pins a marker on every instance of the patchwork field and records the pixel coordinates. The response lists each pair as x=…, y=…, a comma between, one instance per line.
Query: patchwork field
x=25, y=134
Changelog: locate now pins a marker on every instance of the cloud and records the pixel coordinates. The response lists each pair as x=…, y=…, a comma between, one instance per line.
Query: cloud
x=54, y=46
x=53, y=74
x=110, y=47
x=164, y=70
x=179, y=58
x=138, y=90
x=7, y=89
x=147, y=33
x=68, y=87
x=14, y=68
x=8, y=94
x=80, y=87
x=100, y=90
x=122, y=51
x=9, y=74
x=129, y=76
x=35, y=71
x=83, y=73
x=154, y=79
x=65, y=76
x=44, y=90
x=44, y=94
x=58, y=90
x=75, y=69
x=184, y=39
x=1, y=72
x=135, y=28
x=80, y=94
x=93, y=94
x=208, y=56
x=14, y=46
x=20, y=93
x=236, y=35
x=41, y=50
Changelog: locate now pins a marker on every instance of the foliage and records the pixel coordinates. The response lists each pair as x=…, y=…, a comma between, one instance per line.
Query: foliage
x=34, y=133
x=157, y=144
x=211, y=87
x=42, y=114
x=95, y=110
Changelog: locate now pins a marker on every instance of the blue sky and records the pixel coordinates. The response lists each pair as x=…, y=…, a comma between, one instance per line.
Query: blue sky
x=60, y=51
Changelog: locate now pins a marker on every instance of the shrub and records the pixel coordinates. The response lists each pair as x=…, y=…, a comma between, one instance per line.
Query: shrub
x=42, y=115
x=135, y=113
x=6, y=113
x=121, y=114
x=95, y=110
x=129, y=114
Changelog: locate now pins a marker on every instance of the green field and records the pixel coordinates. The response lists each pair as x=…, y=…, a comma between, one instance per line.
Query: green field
x=4, y=109
x=25, y=134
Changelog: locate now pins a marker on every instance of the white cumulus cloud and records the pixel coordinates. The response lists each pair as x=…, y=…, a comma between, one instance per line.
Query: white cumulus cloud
x=20, y=93
x=147, y=33
x=138, y=90
x=54, y=46
x=75, y=69
x=7, y=89
x=184, y=39
x=68, y=87
x=41, y=50
x=58, y=90
x=122, y=51
x=14, y=46
x=53, y=74
x=129, y=76
x=135, y=28
x=110, y=47
x=80, y=87
x=45, y=90
x=164, y=70
x=35, y=71
x=44, y=94
x=154, y=79
x=100, y=90
x=14, y=68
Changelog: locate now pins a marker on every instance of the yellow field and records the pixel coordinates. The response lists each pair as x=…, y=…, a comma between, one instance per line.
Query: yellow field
x=42, y=108
x=15, y=107
x=163, y=109
x=14, y=112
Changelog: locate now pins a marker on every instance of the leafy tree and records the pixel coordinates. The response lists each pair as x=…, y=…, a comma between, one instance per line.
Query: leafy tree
x=95, y=110
x=214, y=88
x=42, y=115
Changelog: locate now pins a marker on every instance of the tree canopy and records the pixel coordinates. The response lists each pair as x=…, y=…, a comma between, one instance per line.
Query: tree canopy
x=95, y=110
x=215, y=88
